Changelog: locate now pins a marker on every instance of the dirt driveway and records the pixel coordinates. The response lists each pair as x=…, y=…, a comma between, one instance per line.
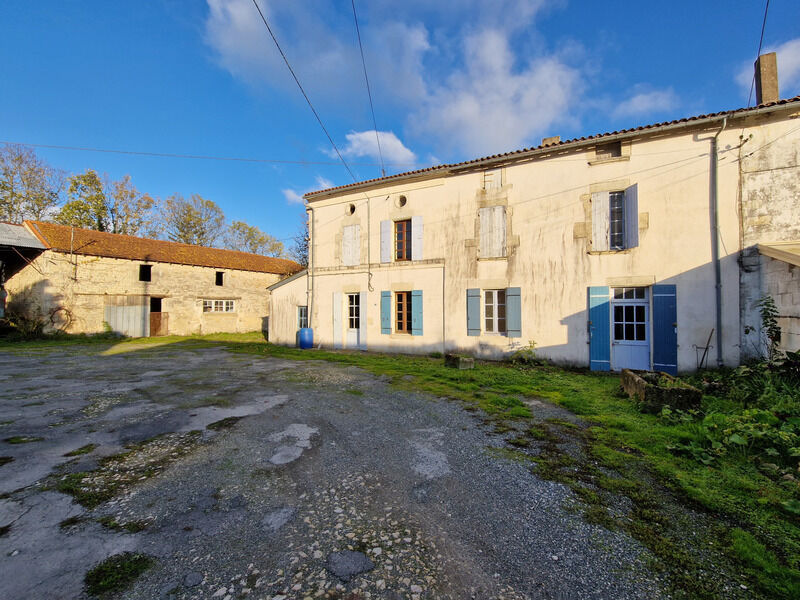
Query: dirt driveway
x=241, y=476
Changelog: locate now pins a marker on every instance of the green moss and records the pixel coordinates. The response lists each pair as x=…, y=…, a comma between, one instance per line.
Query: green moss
x=355, y=392
x=82, y=450
x=764, y=566
x=70, y=522
x=129, y=526
x=22, y=439
x=116, y=573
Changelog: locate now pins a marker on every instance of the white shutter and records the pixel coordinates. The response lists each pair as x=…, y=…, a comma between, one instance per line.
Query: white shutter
x=416, y=238
x=337, y=319
x=485, y=215
x=493, y=231
x=499, y=231
x=351, y=245
x=632, y=216
x=492, y=180
x=600, y=218
x=362, y=321
x=386, y=241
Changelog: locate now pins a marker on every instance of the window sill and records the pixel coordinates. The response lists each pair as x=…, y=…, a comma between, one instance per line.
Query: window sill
x=613, y=159
x=491, y=258
x=601, y=252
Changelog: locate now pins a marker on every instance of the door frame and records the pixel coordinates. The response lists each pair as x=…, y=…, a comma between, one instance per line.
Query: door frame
x=647, y=303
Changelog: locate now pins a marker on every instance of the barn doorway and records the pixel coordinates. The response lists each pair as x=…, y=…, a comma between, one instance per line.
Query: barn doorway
x=158, y=320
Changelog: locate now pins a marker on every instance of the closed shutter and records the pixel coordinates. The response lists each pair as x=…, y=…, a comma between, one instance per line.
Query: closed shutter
x=416, y=238
x=386, y=312
x=632, y=216
x=362, y=321
x=599, y=329
x=493, y=180
x=473, y=311
x=665, y=329
x=416, y=312
x=600, y=217
x=386, y=241
x=493, y=231
x=337, y=319
x=351, y=245
x=485, y=215
x=513, y=312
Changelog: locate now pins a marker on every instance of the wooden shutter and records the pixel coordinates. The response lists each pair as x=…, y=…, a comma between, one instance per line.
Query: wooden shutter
x=473, y=311
x=513, y=312
x=386, y=241
x=362, y=321
x=416, y=312
x=386, y=312
x=337, y=319
x=665, y=329
x=485, y=215
x=499, y=230
x=351, y=245
x=493, y=180
x=416, y=238
x=599, y=328
x=632, y=216
x=600, y=218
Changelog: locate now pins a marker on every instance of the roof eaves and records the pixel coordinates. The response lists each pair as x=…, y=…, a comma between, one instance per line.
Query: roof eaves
x=289, y=279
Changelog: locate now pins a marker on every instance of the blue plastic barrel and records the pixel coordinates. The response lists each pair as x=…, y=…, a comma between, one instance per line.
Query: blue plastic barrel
x=306, y=338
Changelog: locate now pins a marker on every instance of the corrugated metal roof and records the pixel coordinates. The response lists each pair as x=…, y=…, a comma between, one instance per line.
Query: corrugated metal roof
x=63, y=238
x=551, y=146
x=17, y=235
x=788, y=252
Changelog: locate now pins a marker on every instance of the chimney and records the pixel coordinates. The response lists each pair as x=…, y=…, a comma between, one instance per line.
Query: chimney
x=767, y=78
x=550, y=141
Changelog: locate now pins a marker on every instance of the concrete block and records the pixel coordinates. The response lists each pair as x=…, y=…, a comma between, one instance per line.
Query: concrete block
x=457, y=361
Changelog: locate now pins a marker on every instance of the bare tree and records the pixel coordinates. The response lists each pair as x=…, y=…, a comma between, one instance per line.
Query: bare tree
x=29, y=187
x=299, y=248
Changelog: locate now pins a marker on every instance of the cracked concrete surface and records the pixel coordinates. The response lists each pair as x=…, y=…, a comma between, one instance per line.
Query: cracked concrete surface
x=257, y=507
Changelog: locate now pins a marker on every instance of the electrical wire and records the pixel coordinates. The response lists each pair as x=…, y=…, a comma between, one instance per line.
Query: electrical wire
x=308, y=100
x=760, y=44
x=369, y=93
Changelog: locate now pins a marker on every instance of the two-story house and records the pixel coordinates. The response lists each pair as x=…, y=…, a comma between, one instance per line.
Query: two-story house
x=629, y=249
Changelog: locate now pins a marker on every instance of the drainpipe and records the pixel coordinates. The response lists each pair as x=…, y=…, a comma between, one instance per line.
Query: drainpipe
x=715, y=239
x=309, y=269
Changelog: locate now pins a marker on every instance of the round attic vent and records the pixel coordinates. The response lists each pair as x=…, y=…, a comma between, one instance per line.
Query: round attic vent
x=401, y=201
x=351, y=208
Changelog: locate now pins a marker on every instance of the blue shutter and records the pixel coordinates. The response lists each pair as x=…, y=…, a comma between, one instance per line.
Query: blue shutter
x=386, y=312
x=599, y=329
x=473, y=311
x=416, y=312
x=513, y=312
x=665, y=329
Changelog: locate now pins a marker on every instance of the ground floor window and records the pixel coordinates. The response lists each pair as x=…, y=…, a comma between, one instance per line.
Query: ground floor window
x=302, y=317
x=402, y=312
x=354, y=311
x=219, y=306
x=494, y=311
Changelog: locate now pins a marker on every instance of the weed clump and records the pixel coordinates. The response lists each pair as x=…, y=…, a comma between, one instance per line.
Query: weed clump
x=116, y=573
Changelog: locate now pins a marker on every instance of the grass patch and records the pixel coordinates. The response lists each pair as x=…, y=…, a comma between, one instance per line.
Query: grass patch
x=116, y=573
x=4, y=460
x=82, y=450
x=22, y=439
x=355, y=392
x=128, y=526
x=70, y=522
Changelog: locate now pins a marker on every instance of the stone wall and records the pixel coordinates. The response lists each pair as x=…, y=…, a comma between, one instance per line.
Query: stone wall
x=783, y=284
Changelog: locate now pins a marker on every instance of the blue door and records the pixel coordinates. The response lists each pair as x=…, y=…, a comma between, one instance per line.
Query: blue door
x=665, y=329
x=599, y=329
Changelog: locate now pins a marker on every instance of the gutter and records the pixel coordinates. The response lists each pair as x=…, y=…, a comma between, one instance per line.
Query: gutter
x=715, y=238
x=522, y=155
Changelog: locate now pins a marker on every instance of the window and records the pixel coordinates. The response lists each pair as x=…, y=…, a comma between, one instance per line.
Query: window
x=354, y=311
x=145, y=272
x=610, y=150
x=494, y=311
x=220, y=278
x=219, y=306
x=402, y=312
x=630, y=314
x=351, y=245
x=493, y=180
x=302, y=317
x=615, y=220
x=493, y=231
x=402, y=236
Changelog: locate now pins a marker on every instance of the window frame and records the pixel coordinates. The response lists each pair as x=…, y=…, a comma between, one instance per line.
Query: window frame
x=302, y=316
x=148, y=269
x=495, y=323
x=218, y=306
x=402, y=312
x=402, y=245
x=616, y=222
x=354, y=311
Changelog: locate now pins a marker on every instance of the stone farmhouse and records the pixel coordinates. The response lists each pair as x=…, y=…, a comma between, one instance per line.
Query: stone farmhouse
x=647, y=248
x=86, y=281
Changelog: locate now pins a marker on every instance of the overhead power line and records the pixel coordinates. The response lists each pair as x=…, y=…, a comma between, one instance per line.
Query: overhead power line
x=297, y=81
x=760, y=44
x=369, y=93
x=191, y=156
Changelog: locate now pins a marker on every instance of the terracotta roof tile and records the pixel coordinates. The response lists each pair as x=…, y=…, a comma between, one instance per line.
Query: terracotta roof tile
x=513, y=153
x=112, y=245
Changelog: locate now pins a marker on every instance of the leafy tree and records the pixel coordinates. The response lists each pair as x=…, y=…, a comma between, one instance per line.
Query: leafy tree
x=87, y=206
x=130, y=212
x=298, y=251
x=247, y=238
x=29, y=187
x=195, y=221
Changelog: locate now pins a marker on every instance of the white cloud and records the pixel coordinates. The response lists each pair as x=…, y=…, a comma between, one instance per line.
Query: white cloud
x=364, y=143
x=492, y=106
x=644, y=103
x=788, y=69
x=296, y=197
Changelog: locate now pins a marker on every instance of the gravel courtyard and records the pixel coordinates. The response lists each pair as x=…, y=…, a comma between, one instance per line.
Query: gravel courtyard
x=242, y=476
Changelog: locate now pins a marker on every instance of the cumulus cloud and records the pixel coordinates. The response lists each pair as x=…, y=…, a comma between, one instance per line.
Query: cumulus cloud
x=788, y=69
x=491, y=105
x=646, y=102
x=364, y=143
x=296, y=197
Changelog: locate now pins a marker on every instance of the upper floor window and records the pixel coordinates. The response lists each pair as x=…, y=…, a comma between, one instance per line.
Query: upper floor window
x=493, y=179
x=615, y=219
x=609, y=150
x=145, y=272
x=493, y=231
x=402, y=236
x=351, y=245
x=220, y=278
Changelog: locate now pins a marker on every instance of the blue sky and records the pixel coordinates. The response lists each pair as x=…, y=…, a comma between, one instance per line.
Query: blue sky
x=451, y=80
